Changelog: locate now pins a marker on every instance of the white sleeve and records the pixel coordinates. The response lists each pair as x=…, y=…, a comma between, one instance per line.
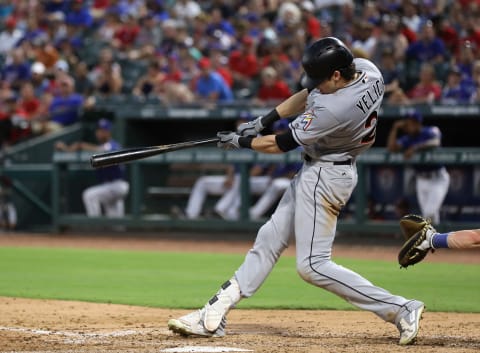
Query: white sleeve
x=312, y=125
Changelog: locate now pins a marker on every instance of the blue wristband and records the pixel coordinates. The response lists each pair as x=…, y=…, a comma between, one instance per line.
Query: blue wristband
x=439, y=240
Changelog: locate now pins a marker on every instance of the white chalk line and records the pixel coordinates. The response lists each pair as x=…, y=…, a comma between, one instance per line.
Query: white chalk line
x=206, y=349
x=74, y=337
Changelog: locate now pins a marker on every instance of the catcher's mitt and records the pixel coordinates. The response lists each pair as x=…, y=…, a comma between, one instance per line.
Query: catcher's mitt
x=417, y=232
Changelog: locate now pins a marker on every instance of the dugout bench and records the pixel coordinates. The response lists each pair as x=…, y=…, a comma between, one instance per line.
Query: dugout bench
x=355, y=219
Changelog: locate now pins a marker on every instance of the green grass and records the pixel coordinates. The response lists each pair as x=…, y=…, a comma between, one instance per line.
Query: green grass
x=186, y=280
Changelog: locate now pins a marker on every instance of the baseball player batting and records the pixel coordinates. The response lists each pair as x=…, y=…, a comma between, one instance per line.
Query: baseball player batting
x=338, y=124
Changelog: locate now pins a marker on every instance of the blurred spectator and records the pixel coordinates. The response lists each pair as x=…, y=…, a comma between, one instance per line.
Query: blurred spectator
x=108, y=196
x=220, y=28
x=148, y=38
x=447, y=33
x=276, y=57
x=390, y=38
x=68, y=52
x=363, y=38
x=209, y=86
x=99, y=9
x=267, y=30
x=83, y=84
x=106, y=76
x=57, y=29
x=428, y=48
x=65, y=108
x=273, y=89
x=40, y=83
x=289, y=24
x=312, y=24
x=177, y=94
x=148, y=84
x=219, y=63
x=243, y=64
x=32, y=31
x=9, y=36
x=428, y=89
x=391, y=72
x=28, y=105
x=6, y=126
x=108, y=28
x=456, y=90
x=8, y=211
x=465, y=59
x=410, y=16
x=119, y=7
x=471, y=31
x=294, y=70
x=169, y=37
x=17, y=69
x=126, y=34
x=186, y=9
x=475, y=97
x=78, y=15
x=42, y=50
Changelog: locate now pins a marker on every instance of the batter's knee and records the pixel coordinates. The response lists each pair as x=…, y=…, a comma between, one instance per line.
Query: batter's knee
x=309, y=272
x=274, y=243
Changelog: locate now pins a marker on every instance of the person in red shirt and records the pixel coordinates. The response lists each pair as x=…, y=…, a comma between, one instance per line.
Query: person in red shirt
x=219, y=63
x=273, y=89
x=28, y=106
x=428, y=89
x=313, y=25
x=243, y=63
x=125, y=36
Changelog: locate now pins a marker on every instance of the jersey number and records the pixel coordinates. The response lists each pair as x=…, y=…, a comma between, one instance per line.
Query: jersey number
x=370, y=124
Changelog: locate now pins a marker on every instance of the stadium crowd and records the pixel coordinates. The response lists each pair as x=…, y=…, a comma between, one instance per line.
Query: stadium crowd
x=59, y=57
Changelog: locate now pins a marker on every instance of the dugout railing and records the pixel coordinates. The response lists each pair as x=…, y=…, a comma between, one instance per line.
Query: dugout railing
x=354, y=219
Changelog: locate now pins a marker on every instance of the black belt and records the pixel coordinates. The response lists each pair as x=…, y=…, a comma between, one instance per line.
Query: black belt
x=307, y=158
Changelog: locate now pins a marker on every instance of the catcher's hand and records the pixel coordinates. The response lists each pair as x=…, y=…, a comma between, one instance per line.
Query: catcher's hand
x=418, y=234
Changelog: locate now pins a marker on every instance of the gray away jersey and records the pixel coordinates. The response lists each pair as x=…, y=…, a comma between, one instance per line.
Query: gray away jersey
x=341, y=125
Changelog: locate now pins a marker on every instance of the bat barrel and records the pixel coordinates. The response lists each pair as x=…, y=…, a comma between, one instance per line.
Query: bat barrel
x=108, y=159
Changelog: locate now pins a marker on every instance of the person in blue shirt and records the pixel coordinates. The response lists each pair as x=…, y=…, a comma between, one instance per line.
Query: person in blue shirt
x=428, y=48
x=210, y=86
x=432, y=180
x=78, y=15
x=456, y=90
x=17, y=71
x=64, y=109
x=112, y=188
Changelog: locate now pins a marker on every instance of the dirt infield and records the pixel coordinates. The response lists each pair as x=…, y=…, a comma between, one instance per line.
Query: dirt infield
x=61, y=326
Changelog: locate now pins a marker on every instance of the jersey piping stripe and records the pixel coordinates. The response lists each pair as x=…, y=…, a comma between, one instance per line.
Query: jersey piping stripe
x=311, y=250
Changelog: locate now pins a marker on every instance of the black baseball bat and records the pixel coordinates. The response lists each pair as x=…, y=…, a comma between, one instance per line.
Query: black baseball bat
x=107, y=159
